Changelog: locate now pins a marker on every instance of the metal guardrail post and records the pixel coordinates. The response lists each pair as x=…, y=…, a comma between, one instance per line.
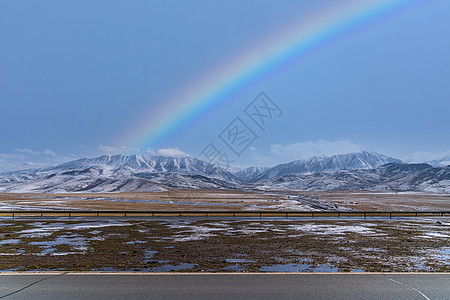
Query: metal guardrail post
x=235, y=214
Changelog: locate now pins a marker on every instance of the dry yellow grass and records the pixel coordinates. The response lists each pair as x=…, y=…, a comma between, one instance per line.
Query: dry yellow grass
x=380, y=201
x=187, y=200
x=229, y=200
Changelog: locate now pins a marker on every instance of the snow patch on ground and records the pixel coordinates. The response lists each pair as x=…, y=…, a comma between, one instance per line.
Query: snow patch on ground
x=431, y=235
x=332, y=229
x=47, y=230
x=197, y=233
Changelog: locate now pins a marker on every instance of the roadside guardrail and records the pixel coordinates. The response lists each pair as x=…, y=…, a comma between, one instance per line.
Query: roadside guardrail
x=217, y=214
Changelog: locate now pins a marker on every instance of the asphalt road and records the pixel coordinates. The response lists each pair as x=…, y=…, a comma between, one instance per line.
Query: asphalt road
x=225, y=286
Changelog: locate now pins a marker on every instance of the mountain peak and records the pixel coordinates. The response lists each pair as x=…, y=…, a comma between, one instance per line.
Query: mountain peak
x=142, y=173
x=317, y=164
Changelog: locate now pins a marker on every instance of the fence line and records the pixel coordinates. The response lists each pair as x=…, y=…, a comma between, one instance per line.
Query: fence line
x=212, y=214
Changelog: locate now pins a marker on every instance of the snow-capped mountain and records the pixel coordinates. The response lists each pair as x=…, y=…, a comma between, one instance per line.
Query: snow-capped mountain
x=442, y=162
x=120, y=173
x=248, y=174
x=159, y=164
x=318, y=164
x=388, y=177
x=139, y=173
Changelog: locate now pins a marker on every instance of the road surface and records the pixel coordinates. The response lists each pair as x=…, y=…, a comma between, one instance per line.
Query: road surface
x=225, y=286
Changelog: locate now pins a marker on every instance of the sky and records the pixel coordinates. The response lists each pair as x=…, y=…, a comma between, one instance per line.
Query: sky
x=88, y=78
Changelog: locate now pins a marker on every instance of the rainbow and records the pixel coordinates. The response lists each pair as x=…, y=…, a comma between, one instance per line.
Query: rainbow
x=216, y=88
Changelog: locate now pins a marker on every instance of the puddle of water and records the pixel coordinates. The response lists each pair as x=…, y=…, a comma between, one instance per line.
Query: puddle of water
x=285, y=268
x=149, y=254
x=235, y=268
x=299, y=268
x=47, y=250
x=325, y=268
x=281, y=259
x=10, y=241
x=77, y=242
x=135, y=242
x=162, y=261
x=72, y=240
x=345, y=249
x=443, y=255
x=169, y=268
x=239, y=260
x=18, y=251
x=373, y=250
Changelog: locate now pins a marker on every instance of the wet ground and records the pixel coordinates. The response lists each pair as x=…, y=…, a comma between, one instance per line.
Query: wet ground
x=201, y=245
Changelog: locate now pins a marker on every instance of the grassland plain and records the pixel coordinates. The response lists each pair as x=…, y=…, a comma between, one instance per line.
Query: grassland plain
x=226, y=245
x=169, y=200
x=200, y=245
x=231, y=200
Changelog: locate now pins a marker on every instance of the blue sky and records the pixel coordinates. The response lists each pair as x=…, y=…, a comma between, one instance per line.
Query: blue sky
x=74, y=76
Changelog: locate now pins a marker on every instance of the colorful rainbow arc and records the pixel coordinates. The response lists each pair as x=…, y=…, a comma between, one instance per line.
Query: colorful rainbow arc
x=203, y=96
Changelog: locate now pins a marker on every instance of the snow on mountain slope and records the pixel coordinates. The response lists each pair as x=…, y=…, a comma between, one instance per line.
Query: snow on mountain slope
x=442, y=162
x=361, y=160
x=248, y=174
x=120, y=173
x=389, y=177
x=185, y=165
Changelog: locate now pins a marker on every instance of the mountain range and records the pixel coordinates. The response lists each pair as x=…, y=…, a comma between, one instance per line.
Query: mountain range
x=120, y=173
x=319, y=164
x=396, y=177
x=442, y=162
